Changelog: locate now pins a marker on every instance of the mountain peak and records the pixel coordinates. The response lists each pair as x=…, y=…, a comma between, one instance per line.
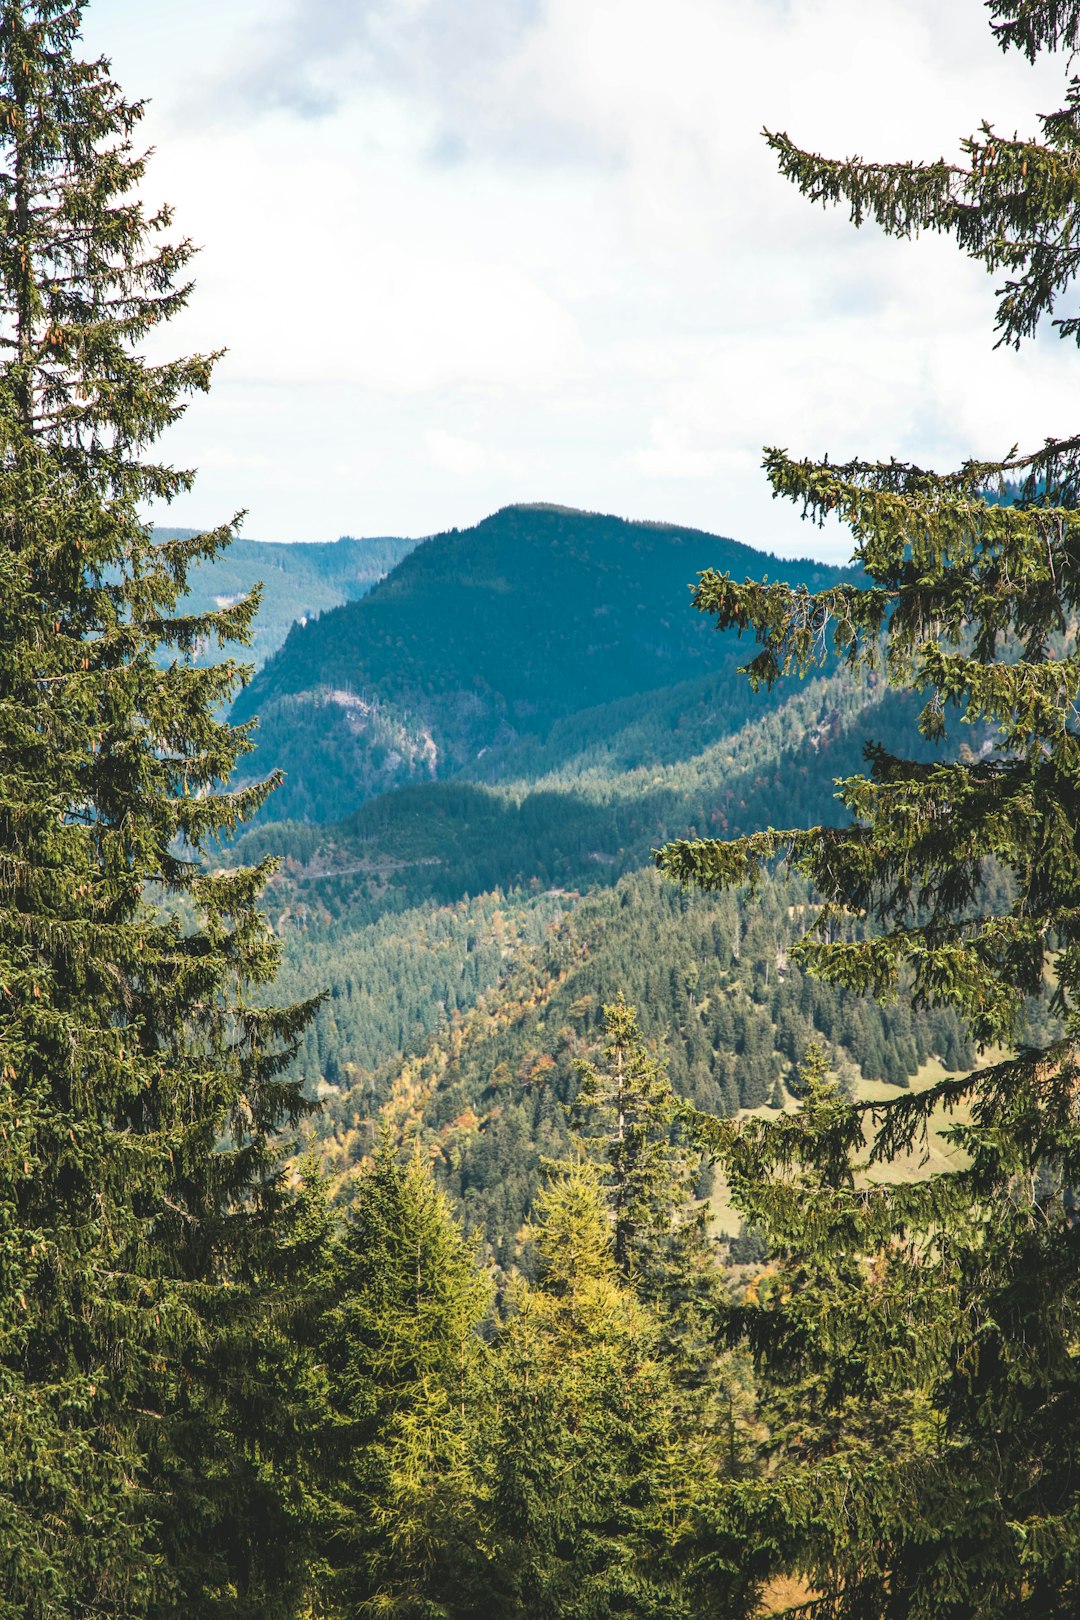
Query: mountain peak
x=486, y=636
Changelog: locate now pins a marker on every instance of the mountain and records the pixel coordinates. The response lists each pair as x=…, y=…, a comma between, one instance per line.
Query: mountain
x=455, y=926
x=300, y=579
x=485, y=750
x=491, y=650
x=466, y=936
x=576, y=828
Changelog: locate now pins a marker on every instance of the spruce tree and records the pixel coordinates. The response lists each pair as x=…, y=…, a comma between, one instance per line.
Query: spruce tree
x=141, y=1422
x=958, y=1294
x=627, y=1108
x=660, y=1240
x=593, y=1491
x=401, y=1349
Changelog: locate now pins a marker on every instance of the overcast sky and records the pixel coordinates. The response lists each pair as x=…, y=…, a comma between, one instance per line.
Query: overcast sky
x=468, y=252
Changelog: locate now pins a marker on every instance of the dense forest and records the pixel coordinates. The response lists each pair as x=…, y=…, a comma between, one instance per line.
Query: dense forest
x=492, y=1093
x=432, y=898
x=600, y=1137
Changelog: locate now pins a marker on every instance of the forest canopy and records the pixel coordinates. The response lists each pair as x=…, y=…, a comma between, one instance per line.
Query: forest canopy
x=492, y=1225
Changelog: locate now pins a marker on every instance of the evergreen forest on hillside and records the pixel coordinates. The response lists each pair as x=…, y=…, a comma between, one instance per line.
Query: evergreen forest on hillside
x=502, y=650
x=576, y=1115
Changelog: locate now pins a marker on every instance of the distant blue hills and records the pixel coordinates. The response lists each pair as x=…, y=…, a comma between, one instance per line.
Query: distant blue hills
x=299, y=580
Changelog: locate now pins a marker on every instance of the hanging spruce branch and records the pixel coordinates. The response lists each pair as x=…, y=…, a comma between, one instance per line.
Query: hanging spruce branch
x=1032, y=26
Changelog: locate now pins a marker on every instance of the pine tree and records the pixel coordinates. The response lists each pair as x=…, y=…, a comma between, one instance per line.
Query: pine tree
x=141, y=1203
x=628, y=1109
x=593, y=1493
x=402, y=1352
x=970, y=1302
x=660, y=1239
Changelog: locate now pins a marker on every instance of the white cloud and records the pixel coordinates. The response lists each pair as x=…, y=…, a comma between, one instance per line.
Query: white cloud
x=536, y=249
x=466, y=457
x=670, y=455
x=310, y=56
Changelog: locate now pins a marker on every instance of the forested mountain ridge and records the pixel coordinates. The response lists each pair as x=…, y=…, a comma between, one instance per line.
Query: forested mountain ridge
x=578, y=827
x=456, y=926
x=432, y=904
x=481, y=641
x=488, y=1092
x=299, y=579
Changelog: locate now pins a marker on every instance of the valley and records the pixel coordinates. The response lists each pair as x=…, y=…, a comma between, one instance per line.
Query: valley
x=473, y=909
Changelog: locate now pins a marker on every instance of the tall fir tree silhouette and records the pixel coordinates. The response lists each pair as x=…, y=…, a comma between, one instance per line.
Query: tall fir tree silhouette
x=141, y=1202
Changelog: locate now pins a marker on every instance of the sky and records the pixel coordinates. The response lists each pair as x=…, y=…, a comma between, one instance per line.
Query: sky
x=468, y=252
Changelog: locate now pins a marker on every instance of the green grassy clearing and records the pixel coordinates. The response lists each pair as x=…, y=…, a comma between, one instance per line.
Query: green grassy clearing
x=937, y=1156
